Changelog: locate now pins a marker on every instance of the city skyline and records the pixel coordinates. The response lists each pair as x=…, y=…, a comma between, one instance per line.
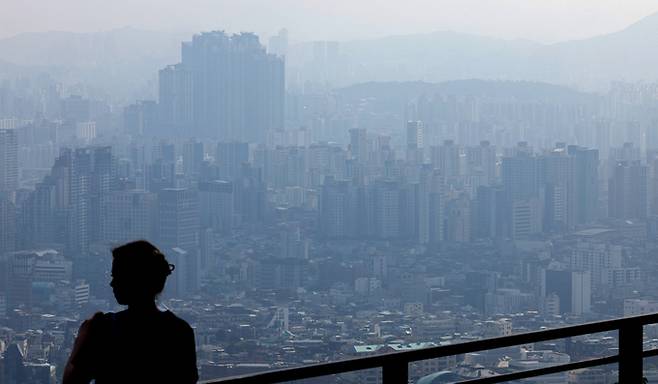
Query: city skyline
x=319, y=202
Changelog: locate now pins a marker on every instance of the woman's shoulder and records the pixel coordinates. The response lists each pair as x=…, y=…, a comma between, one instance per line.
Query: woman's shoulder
x=95, y=320
x=93, y=328
x=104, y=318
x=174, y=321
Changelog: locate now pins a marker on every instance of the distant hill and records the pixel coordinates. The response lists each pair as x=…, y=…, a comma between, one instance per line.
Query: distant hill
x=438, y=56
x=395, y=94
x=628, y=55
x=124, y=62
x=119, y=62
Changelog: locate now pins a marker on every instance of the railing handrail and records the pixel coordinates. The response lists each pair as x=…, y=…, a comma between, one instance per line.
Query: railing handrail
x=631, y=327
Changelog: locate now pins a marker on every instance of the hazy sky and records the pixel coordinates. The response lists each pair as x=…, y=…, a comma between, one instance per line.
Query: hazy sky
x=541, y=20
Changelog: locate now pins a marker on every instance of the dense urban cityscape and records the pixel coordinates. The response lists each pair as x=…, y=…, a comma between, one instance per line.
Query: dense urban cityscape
x=312, y=223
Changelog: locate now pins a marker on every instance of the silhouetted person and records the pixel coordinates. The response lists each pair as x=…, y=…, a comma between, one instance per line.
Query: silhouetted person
x=140, y=344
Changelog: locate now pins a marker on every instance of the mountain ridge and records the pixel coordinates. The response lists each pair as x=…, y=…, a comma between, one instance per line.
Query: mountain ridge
x=123, y=61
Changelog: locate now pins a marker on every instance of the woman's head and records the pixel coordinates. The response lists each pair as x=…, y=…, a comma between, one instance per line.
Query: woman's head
x=139, y=272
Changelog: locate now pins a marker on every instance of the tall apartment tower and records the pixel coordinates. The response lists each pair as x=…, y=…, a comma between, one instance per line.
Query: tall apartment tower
x=489, y=212
x=481, y=160
x=338, y=209
x=88, y=174
x=179, y=237
x=176, y=91
x=627, y=191
x=217, y=202
x=230, y=157
x=573, y=287
x=8, y=185
x=386, y=209
x=43, y=218
x=141, y=118
x=558, y=178
x=430, y=205
x=523, y=205
x=359, y=144
x=415, y=142
x=520, y=176
x=586, y=168
x=193, y=155
x=129, y=215
x=68, y=206
x=226, y=87
x=8, y=160
x=7, y=225
x=446, y=158
x=102, y=179
x=179, y=218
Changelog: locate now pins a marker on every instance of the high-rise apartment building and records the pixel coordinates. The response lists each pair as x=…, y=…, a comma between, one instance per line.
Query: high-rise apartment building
x=230, y=157
x=523, y=205
x=338, y=209
x=179, y=237
x=67, y=206
x=557, y=175
x=89, y=171
x=489, y=208
x=599, y=259
x=8, y=160
x=359, y=144
x=481, y=161
x=627, y=191
x=226, y=87
x=520, y=176
x=141, y=118
x=8, y=185
x=193, y=155
x=525, y=218
x=458, y=218
x=42, y=219
x=386, y=209
x=446, y=158
x=572, y=287
x=586, y=188
x=176, y=99
x=415, y=142
x=217, y=203
x=250, y=195
x=7, y=225
x=179, y=218
x=430, y=206
x=129, y=215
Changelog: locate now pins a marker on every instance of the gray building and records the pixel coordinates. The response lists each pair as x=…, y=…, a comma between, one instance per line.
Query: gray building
x=627, y=191
x=586, y=168
x=8, y=160
x=179, y=237
x=226, y=87
x=217, y=203
x=129, y=215
x=178, y=218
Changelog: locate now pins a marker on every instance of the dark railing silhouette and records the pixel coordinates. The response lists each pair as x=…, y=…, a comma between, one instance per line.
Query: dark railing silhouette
x=395, y=365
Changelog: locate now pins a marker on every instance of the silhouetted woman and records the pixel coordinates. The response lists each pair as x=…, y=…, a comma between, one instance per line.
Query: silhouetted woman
x=140, y=344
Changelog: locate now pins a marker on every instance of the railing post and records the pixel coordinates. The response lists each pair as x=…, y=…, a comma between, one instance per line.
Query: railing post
x=630, y=353
x=396, y=373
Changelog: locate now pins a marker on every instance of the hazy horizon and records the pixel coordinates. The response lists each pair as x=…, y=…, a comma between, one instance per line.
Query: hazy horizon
x=341, y=20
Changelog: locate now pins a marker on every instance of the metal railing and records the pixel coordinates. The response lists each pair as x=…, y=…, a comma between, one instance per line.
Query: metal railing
x=395, y=365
